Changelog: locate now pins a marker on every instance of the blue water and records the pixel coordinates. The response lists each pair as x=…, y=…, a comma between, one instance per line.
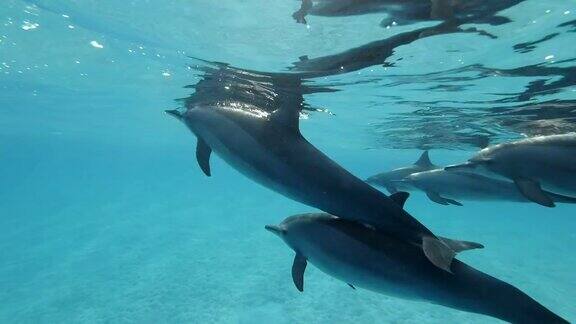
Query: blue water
x=105, y=216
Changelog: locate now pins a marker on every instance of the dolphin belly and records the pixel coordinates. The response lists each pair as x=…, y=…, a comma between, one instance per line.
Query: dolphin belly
x=355, y=263
x=554, y=166
x=560, y=182
x=482, y=190
x=465, y=186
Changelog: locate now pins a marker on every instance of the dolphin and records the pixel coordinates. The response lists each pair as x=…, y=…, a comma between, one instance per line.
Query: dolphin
x=364, y=257
x=403, y=12
x=267, y=147
x=391, y=180
x=534, y=164
x=340, y=8
x=447, y=187
x=374, y=53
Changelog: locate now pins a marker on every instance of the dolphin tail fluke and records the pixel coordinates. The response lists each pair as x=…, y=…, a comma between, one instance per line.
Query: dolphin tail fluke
x=438, y=252
x=441, y=250
x=459, y=246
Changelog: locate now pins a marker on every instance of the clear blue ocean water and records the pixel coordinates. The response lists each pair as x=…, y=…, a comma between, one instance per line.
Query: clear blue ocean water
x=105, y=216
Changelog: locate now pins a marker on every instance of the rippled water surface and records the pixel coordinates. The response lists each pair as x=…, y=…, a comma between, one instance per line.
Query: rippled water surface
x=105, y=216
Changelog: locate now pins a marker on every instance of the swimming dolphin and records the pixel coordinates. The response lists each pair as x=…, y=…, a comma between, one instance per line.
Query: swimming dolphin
x=340, y=8
x=363, y=257
x=402, y=12
x=534, y=164
x=375, y=53
x=267, y=147
x=391, y=180
x=447, y=187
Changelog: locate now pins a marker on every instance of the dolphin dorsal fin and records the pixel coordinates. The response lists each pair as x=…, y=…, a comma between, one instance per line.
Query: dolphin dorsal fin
x=298, y=268
x=424, y=160
x=287, y=117
x=289, y=102
x=400, y=198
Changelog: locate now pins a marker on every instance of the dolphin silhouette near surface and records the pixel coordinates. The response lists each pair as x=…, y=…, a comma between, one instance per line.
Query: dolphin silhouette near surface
x=264, y=143
x=365, y=258
x=403, y=12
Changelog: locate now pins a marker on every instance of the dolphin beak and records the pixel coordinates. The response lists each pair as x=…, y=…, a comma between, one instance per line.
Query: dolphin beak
x=461, y=167
x=275, y=229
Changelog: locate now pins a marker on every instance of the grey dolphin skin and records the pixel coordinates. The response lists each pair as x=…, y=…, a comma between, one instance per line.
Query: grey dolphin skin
x=366, y=258
x=534, y=164
x=391, y=180
x=268, y=148
x=448, y=187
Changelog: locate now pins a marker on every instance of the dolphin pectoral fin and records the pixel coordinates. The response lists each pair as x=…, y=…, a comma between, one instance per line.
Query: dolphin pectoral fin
x=352, y=286
x=203, y=156
x=435, y=197
x=400, y=198
x=453, y=202
x=298, y=268
x=531, y=189
x=287, y=115
x=440, y=254
x=459, y=246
